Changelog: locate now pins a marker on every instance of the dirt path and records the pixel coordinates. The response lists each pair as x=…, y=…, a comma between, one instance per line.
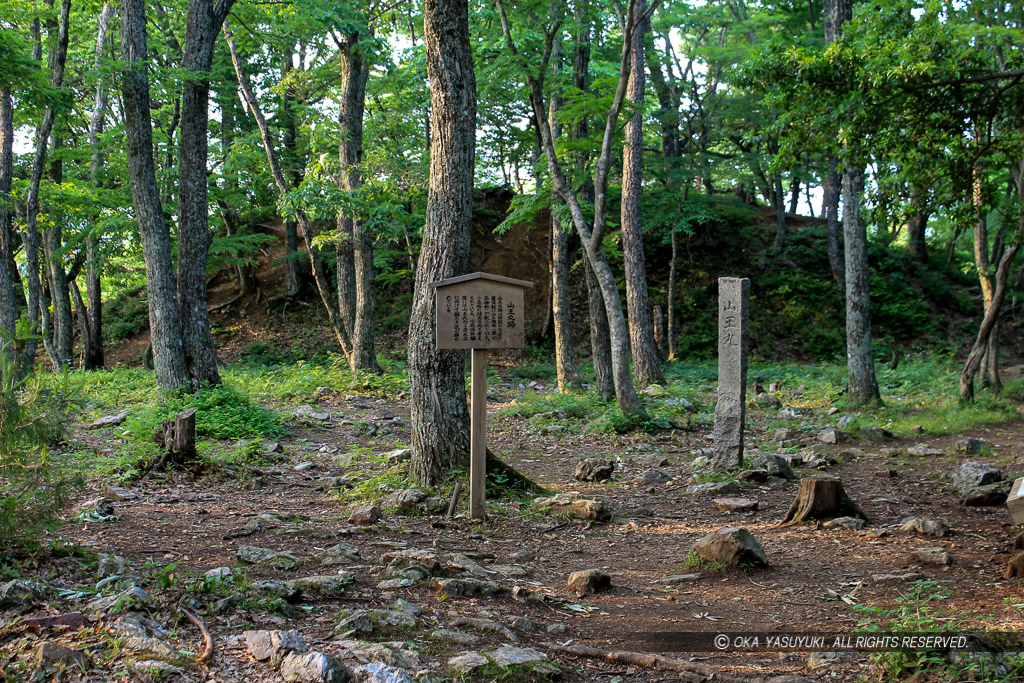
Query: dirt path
x=176, y=530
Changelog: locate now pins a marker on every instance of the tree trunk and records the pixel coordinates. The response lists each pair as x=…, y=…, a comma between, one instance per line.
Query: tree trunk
x=164, y=314
x=92, y=357
x=319, y=271
x=591, y=236
x=292, y=273
x=988, y=323
x=57, y=59
x=8, y=300
x=63, y=348
x=916, y=227
x=990, y=359
x=833, y=227
x=566, y=368
x=439, y=414
x=565, y=357
x=194, y=234
x=600, y=339
x=646, y=361
x=355, y=72
x=671, y=303
x=862, y=387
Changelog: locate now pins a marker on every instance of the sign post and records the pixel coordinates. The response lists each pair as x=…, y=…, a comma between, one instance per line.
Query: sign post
x=480, y=312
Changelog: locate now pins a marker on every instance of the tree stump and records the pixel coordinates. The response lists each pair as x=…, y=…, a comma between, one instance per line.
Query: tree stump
x=1018, y=543
x=177, y=438
x=821, y=497
x=1015, y=567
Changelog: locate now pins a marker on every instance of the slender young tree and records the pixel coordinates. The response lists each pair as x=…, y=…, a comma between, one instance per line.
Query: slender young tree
x=92, y=329
x=646, y=361
x=355, y=72
x=591, y=234
x=37, y=308
x=439, y=413
x=8, y=303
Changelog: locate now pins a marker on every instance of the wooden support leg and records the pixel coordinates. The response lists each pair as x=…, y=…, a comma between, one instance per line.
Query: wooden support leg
x=478, y=436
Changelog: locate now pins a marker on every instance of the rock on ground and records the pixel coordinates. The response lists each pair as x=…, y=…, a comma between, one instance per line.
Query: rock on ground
x=735, y=504
x=467, y=663
x=575, y=505
x=594, y=469
x=973, y=474
x=589, y=581
x=314, y=667
x=924, y=526
x=273, y=644
x=365, y=515
x=734, y=546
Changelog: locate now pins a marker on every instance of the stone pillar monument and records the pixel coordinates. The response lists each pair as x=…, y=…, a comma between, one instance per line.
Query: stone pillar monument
x=730, y=411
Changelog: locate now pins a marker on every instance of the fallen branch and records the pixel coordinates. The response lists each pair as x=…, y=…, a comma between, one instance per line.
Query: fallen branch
x=649, y=661
x=208, y=650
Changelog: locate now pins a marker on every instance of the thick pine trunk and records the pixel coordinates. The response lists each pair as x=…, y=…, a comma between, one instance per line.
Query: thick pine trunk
x=355, y=72
x=862, y=387
x=8, y=300
x=916, y=227
x=164, y=314
x=440, y=415
x=194, y=235
x=646, y=361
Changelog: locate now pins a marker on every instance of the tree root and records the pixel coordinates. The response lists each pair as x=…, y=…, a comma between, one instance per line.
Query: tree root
x=651, y=661
x=207, y=636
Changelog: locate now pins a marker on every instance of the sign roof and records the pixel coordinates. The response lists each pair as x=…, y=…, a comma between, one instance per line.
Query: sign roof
x=481, y=276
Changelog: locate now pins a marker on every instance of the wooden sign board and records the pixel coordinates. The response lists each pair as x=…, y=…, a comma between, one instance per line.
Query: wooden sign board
x=1015, y=501
x=480, y=311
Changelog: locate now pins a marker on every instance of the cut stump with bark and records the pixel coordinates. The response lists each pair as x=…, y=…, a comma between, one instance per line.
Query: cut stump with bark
x=1015, y=567
x=821, y=497
x=177, y=438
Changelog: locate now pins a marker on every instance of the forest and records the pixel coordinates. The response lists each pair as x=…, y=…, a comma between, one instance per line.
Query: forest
x=235, y=444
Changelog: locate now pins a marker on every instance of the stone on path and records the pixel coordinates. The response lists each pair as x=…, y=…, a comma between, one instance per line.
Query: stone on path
x=399, y=455
x=775, y=465
x=922, y=450
x=129, y=598
x=939, y=556
x=365, y=515
x=730, y=410
x=654, y=477
x=734, y=546
x=721, y=488
x=575, y=505
x=467, y=663
x=108, y=420
x=852, y=523
x=924, y=526
x=308, y=412
x=314, y=667
x=832, y=436
x=458, y=637
x=327, y=585
x=594, y=469
x=18, y=593
x=466, y=587
x=589, y=581
x=972, y=446
x=342, y=553
x=251, y=554
x=273, y=645
x=379, y=672
x=754, y=476
x=875, y=432
x=974, y=474
x=986, y=496
x=735, y=504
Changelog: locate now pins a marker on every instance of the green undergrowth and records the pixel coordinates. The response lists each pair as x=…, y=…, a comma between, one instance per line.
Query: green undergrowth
x=920, y=610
